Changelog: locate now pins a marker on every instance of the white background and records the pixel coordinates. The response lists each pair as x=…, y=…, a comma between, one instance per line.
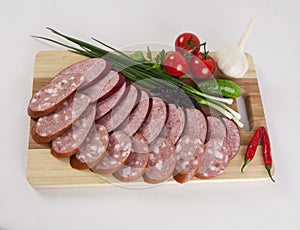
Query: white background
x=274, y=44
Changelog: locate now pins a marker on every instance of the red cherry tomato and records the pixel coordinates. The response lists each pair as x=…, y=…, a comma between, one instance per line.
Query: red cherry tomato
x=175, y=64
x=184, y=38
x=202, y=68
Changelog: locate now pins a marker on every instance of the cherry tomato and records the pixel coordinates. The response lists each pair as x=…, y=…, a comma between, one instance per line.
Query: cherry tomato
x=184, y=38
x=202, y=68
x=175, y=64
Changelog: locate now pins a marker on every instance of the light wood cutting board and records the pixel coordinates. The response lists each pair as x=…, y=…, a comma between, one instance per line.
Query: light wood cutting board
x=46, y=171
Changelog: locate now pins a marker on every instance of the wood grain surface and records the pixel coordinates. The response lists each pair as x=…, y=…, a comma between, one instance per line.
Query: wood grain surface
x=45, y=171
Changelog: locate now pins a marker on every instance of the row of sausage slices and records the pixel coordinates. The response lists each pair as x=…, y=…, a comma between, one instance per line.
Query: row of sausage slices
x=109, y=125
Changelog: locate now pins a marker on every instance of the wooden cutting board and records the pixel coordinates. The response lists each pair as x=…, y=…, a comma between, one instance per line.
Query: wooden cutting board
x=46, y=171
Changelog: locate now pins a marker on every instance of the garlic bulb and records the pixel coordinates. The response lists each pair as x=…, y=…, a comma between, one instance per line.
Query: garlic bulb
x=232, y=61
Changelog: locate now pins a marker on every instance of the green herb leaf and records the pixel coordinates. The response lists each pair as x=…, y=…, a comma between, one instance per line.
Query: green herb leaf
x=138, y=56
x=155, y=66
x=159, y=59
x=162, y=56
x=149, y=54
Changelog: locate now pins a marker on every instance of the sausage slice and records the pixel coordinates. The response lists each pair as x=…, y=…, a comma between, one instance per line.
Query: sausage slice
x=53, y=125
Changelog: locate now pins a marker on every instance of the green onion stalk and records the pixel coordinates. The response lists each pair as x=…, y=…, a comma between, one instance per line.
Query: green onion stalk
x=140, y=73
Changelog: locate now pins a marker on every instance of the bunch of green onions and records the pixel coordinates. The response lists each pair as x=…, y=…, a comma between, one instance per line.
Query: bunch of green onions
x=139, y=72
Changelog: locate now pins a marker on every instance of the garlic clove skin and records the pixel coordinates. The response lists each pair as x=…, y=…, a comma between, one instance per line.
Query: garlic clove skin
x=232, y=62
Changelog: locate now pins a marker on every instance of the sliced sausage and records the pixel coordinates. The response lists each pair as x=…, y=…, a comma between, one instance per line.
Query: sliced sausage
x=91, y=68
x=216, y=158
x=137, y=162
x=215, y=128
x=105, y=86
x=195, y=124
x=76, y=76
x=121, y=111
x=53, y=125
x=233, y=137
x=162, y=161
x=156, y=120
x=52, y=95
x=175, y=123
x=190, y=153
x=93, y=149
x=107, y=104
x=138, y=115
x=119, y=149
x=69, y=142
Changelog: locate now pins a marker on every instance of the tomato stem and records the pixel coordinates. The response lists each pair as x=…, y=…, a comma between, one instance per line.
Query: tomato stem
x=205, y=54
x=196, y=46
x=188, y=43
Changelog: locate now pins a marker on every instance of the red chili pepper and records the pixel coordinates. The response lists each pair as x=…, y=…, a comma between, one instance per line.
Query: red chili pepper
x=267, y=152
x=251, y=148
